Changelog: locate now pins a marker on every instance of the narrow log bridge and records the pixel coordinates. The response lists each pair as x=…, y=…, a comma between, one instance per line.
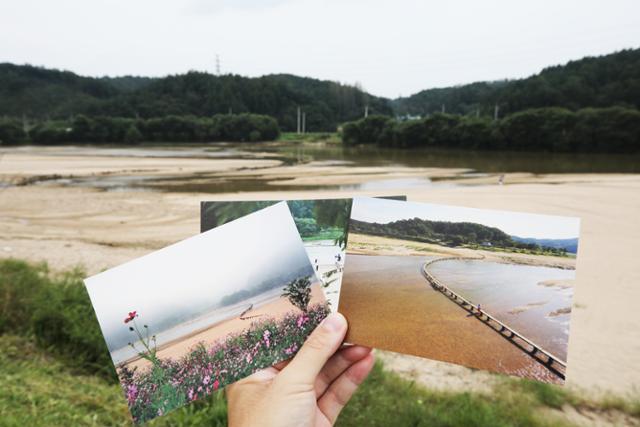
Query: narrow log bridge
x=548, y=360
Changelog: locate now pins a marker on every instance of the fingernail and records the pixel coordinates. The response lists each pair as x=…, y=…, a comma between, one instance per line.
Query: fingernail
x=334, y=322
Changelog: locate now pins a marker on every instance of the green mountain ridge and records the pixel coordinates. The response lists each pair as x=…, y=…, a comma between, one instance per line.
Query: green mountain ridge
x=595, y=81
x=38, y=93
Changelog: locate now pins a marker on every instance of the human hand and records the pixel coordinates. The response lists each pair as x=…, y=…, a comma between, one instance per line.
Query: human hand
x=309, y=390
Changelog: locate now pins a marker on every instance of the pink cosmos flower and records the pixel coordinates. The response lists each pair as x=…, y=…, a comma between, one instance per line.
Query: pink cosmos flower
x=132, y=315
x=302, y=320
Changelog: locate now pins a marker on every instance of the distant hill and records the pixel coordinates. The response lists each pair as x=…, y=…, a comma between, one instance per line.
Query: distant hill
x=603, y=81
x=570, y=245
x=451, y=234
x=40, y=93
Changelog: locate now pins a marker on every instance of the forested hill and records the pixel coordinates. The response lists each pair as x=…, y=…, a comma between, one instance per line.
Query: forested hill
x=450, y=234
x=40, y=93
x=604, y=81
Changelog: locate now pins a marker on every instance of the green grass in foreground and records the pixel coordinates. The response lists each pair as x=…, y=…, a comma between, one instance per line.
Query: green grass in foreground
x=39, y=390
x=60, y=375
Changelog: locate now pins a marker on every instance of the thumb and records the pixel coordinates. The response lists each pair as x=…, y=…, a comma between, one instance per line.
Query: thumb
x=316, y=351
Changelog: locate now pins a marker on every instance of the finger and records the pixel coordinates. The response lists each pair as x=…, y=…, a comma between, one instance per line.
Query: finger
x=314, y=353
x=341, y=390
x=339, y=362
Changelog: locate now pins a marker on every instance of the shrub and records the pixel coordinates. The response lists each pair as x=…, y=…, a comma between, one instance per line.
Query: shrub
x=11, y=132
x=299, y=292
x=56, y=310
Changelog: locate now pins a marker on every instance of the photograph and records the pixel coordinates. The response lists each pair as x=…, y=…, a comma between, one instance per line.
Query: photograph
x=481, y=288
x=322, y=224
x=210, y=310
x=127, y=126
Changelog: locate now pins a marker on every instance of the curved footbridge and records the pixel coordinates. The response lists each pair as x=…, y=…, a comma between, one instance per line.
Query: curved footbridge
x=550, y=361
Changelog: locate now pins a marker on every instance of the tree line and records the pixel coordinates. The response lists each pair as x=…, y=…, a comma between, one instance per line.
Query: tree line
x=102, y=129
x=449, y=234
x=610, y=130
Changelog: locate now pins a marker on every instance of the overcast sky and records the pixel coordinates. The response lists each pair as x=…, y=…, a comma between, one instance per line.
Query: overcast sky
x=513, y=223
x=391, y=47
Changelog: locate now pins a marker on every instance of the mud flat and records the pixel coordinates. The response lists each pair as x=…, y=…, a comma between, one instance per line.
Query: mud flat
x=391, y=306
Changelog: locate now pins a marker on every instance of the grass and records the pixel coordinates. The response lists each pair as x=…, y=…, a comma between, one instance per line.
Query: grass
x=37, y=389
x=325, y=137
x=387, y=399
x=56, y=378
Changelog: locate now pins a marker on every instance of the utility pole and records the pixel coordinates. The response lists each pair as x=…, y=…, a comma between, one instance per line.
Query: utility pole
x=477, y=112
x=443, y=110
x=366, y=111
x=496, y=110
x=217, y=64
x=304, y=122
x=298, y=128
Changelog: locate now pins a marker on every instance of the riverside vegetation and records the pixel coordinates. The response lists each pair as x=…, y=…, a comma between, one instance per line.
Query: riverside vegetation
x=588, y=105
x=62, y=374
x=551, y=129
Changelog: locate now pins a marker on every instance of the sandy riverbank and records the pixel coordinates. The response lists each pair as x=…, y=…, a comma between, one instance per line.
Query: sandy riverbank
x=274, y=310
x=377, y=245
x=68, y=226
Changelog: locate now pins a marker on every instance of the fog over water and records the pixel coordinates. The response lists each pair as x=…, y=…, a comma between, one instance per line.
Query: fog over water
x=190, y=278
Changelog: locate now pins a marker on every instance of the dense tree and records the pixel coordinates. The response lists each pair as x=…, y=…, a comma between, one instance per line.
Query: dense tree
x=604, y=130
x=39, y=93
x=11, y=131
x=159, y=106
x=83, y=129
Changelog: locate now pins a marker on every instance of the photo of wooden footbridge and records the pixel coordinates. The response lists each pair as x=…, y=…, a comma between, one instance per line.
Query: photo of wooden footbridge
x=553, y=363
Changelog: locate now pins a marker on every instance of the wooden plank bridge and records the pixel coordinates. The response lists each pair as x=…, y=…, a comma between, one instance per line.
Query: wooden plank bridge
x=550, y=361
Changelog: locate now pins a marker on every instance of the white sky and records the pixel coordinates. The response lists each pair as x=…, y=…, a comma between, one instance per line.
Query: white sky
x=513, y=223
x=391, y=47
x=205, y=267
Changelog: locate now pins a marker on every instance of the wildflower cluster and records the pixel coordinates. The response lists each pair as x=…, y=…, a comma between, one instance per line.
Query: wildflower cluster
x=169, y=384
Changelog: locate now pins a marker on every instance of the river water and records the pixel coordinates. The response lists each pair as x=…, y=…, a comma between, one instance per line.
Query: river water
x=518, y=295
x=475, y=163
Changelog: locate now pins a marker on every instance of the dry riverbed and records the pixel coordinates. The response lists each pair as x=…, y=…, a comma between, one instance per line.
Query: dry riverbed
x=68, y=226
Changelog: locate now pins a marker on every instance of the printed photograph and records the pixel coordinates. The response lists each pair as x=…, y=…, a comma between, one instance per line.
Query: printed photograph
x=481, y=288
x=203, y=313
x=322, y=224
